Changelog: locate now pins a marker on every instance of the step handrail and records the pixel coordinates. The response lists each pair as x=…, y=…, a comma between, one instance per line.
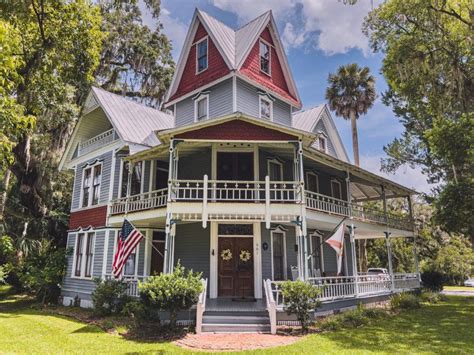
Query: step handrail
x=201, y=306
x=271, y=305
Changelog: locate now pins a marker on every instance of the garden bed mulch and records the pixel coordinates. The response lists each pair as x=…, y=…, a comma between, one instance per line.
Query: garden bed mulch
x=234, y=341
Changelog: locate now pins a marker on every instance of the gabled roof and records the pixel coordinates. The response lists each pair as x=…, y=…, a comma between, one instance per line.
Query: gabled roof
x=134, y=123
x=308, y=119
x=233, y=45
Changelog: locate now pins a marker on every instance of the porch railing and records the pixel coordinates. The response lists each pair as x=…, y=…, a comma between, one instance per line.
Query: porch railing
x=144, y=201
x=132, y=283
x=238, y=191
x=343, y=287
x=97, y=142
x=201, y=306
x=271, y=304
x=333, y=205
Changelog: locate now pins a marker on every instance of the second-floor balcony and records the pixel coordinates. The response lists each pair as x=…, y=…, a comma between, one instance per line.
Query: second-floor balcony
x=96, y=142
x=266, y=192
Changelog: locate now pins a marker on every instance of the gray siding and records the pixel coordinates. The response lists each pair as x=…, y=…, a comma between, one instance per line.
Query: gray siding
x=110, y=252
x=118, y=166
x=320, y=127
x=248, y=103
x=220, y=104
x=291, y=257
x=192, y=245
x=106, y=160
x=195, y=166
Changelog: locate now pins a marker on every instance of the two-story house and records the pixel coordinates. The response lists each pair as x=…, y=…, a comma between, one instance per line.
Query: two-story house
x=235, y=181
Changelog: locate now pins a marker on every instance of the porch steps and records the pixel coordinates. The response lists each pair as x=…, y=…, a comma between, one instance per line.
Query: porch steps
x=236, y=322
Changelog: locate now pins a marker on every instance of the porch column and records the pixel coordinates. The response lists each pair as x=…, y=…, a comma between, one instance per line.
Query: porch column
x=389, y=254
x=354, y=259
x=131, y=168
x=415, y=256
x=303, y=226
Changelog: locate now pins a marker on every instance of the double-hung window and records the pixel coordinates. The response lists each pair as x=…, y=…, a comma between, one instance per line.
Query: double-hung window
x=312, y=182
x=84, y=254
x=201, y=55
x=265, y=57
x=266, y=108
x=278, y=255
x=91, y=181
x=322, y=144
x=136, y=179
x=336, y=189
x=201, y=108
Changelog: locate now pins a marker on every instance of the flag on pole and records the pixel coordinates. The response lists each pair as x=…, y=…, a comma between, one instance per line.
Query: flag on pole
x=127, y=242
x=336, y=241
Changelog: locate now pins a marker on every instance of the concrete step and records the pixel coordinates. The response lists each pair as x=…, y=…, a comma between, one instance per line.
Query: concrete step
x=235, y=328
x=262, y=313
x=224, y=319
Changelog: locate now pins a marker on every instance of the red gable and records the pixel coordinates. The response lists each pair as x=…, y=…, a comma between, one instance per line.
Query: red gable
x=237, y=130
x=251, y=68
x=217, y=67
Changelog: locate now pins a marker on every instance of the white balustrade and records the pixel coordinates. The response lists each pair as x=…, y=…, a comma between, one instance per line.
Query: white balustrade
x=333, y=205
x=140, y=202
x=132, y=283
x=271, y=304
x=96, y=142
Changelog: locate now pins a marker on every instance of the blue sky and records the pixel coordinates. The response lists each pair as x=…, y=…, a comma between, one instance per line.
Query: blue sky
x=319, y=36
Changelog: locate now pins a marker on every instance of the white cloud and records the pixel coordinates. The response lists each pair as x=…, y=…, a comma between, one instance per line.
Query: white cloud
x=406, y=176
x=175, y=30
x=328, y=25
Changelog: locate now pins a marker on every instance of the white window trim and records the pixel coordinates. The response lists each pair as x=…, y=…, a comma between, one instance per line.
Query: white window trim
x=275, y=161
x=83, y=261
x=266, y=99
x=340, y=189
x=317, y=181
x=285, y=261
x=321, y=250
x=91, y=186
x=197, y=55
x=325, y=150
x=196, y=101
x=269, y=57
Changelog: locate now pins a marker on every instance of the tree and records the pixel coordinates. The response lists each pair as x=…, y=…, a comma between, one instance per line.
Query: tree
x=430, y=75
x=136, y=60
x=351, y=93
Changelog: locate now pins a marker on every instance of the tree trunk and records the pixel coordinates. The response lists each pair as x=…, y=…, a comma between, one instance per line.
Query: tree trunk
x=3, y=197
x=355, y=138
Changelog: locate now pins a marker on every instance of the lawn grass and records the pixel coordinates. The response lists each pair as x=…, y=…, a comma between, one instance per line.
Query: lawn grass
x=447, y=327
x=458, y=288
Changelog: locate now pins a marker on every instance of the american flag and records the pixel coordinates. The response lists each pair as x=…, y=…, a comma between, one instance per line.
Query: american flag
x=128, y=240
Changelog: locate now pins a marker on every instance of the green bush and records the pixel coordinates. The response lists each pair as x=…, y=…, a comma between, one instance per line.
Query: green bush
x=352, y=319
x=109, y=297
x=140, y=313
x=432, y=297
x=300, y=299
x=432, y=280
x=174, y=292
x=404, y=301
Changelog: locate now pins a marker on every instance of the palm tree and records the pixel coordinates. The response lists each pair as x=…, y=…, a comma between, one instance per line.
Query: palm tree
x=351, y=92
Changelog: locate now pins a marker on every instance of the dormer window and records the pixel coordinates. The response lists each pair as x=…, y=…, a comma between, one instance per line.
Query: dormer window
x=201, y=55
x=266, y=108
x=265, y=57
x=201, y=108
x=322, y=144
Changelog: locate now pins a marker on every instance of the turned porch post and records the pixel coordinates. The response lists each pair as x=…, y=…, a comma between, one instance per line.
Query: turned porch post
x=303, y=228
x=354, y=258
x=389, y=255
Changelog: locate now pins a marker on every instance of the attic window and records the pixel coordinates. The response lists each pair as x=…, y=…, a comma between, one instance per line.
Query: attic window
x=266, y=108
x=322, y=144
x=265, y=57
x=201, y=55
x=201, y=108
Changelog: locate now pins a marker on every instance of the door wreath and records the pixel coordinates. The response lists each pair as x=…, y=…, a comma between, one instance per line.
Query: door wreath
x=245, y=255
x=226, y=255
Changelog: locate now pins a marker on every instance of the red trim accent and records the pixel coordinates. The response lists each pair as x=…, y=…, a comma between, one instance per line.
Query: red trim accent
x=216, y=67
x=92, y=217
x=276, y=81
x=237, y=130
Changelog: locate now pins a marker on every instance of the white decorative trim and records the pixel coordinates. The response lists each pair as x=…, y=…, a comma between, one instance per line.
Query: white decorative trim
x=270, y=102
x=281, y=231
x=205, y=38
x=198, y=99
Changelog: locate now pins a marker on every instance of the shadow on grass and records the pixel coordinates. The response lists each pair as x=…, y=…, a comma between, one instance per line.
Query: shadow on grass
x=89, y=329
x=439, y=328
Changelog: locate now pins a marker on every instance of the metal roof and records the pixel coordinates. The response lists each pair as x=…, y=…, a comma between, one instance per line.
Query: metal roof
x=134, y=123
x=306, y=120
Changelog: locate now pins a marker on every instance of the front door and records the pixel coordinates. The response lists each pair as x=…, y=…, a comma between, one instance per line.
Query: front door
x=235, y=267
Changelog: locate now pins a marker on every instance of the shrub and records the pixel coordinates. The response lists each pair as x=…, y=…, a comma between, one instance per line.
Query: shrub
x=174, y=292
x=432, y=280
x=432, y=297
x=140, y=313
x=352, y=319
x=300, y=299
x=404, y=301
x=109, y=297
